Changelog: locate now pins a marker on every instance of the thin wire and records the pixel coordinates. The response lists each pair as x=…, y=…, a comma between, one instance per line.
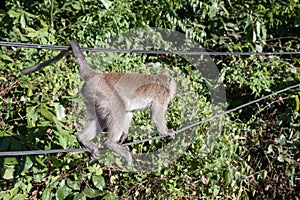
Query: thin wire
x=215, y=116
x=38, y=152
x=61, y=48
x=41, y=152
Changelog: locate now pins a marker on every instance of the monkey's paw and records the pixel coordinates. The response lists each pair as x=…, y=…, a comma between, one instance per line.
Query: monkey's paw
x=171, y=133
x=94, y=154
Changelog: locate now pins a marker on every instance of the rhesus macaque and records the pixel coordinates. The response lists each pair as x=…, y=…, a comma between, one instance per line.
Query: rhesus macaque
x=111, y=99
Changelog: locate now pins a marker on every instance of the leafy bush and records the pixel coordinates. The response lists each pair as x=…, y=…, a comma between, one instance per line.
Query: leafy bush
x=256, y=151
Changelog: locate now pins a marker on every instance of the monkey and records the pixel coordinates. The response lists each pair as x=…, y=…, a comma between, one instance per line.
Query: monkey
x=111, y=99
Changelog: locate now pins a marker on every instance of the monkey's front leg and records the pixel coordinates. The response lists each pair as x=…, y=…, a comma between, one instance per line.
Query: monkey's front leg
x=158, y=117
x=91, y=129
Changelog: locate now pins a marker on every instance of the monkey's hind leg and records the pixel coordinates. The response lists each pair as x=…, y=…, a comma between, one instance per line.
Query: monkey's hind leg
x=91, y=129
x=123, y=137
x=114, y=145
x=117, y=134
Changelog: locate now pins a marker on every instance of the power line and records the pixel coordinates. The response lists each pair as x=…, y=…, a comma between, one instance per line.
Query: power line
x=38, y=152
x=218, y=115
x=61, y=48
x=41, y=152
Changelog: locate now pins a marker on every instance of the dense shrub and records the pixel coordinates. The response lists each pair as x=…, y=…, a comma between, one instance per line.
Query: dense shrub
x=256, y=151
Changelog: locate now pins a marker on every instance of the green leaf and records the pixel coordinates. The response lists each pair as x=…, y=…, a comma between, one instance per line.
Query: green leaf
x=258, y=48
x=22, y=21
x=280, y=158
x=4, y=195
x=13, y=14
x=216, y=190
x=91, y=193
x=47, y=114
x=79, y=196
x=270, y=149
x=228, y=176
x=106, y=3
x=55, y=161
x=44, y=24
x=31, y=116
x=46, y=194
x=75, y=185
x=76, y=5
x=29, y=91
x=297, y=20
x=8, y=173
x=253, y=36
x=60, y=111
x=28, y=164
x=282, y=140
x=41, y=162
x=297, y=103
x=111, y=197
x=51, y=117
x=63, y=192
x=19, y=197
x=258, y=28
x=264, y=33
x=99, y=182
x=6, y=58
x=16, y=190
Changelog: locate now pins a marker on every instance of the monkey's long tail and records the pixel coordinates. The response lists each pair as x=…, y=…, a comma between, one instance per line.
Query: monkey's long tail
x=85, y=70
x=46, y=63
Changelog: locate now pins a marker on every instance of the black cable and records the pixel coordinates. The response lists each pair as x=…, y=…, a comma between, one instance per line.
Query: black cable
x=37, y=152
x=62, y=48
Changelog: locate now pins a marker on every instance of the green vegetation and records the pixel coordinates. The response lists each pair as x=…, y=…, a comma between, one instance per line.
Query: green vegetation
x=253, y=154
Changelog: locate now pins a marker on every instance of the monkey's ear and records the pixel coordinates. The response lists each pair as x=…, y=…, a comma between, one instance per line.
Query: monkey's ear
x=165, y=72
x=169, y=79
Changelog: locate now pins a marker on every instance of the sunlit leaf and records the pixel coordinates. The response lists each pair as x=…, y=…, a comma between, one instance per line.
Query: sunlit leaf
x=75, y=185
x=297, y=103
x=46, y=194
x=60, y=111
x=8, y=173
x=12, y=13
x=23, y=21
x=79, y=196
x=99, y=181
x=91, y=193
x=106, y=3
x=62, y=192
x=19, y=197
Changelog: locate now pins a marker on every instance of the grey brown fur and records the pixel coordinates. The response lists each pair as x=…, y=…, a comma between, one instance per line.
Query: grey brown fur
x=111, y=99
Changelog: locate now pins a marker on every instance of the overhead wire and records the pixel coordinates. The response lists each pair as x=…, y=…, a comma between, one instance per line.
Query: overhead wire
x=64, y=48
x=39, y=152
x=178, y=52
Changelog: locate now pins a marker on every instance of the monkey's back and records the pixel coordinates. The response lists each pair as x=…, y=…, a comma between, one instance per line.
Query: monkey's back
x=137, y=91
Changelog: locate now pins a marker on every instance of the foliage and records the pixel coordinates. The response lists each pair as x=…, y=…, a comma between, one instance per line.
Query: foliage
x=256, y=153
